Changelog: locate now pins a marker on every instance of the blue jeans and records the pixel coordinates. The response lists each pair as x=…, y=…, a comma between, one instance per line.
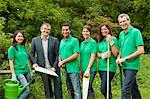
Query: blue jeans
x=130, y=85
x=24, y=79
x=92, y=76
x=103, y=87
x=73, y=85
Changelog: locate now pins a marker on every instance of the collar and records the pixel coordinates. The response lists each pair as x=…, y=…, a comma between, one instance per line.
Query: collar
x=87, y=40
x=130, y=30
x=68, y=38
x=43, y=38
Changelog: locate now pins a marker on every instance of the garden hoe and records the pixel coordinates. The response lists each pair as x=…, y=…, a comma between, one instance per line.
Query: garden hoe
x=108, y=75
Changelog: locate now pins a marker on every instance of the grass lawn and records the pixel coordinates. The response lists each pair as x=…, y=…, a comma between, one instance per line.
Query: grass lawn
x=143, y=79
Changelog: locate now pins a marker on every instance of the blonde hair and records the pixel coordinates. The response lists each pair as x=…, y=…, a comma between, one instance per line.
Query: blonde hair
x=122, y=15
x=47, y=24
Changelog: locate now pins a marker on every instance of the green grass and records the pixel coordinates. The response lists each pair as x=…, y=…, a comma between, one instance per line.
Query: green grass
x=143, y=79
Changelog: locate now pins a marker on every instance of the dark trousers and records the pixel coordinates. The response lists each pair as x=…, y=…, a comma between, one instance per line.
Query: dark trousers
x=130, y=86
x=103, y=87
x=48, y=86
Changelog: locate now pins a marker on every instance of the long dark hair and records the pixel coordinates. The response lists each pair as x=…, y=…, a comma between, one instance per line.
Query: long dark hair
x=14, y=40
x=101, y=37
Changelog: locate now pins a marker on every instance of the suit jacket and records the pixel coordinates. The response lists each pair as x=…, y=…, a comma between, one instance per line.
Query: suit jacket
x=36, y=53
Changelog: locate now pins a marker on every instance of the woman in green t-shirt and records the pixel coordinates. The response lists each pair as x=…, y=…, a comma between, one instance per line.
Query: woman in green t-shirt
x=107, y=48
x=88, y=50
x=18, y=60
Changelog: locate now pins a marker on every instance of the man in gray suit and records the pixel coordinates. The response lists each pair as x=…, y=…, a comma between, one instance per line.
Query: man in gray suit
x=44, y=53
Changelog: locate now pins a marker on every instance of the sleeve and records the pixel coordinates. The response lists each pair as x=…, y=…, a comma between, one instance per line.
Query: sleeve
x=119, y=41
x=56, y=53
x=94, y=47
x=76, y=46
x=59, y=47
x=32, y=52
x=11, y=53
x=138, y=38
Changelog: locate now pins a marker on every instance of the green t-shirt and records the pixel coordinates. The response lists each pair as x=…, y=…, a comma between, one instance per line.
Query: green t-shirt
x=128, y=42
x=103, y=47
x=20, y=59
x=66, y=49
x=86, y=49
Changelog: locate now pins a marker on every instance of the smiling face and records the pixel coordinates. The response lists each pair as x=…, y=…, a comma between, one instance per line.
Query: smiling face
x=65, y=31
x=45, y=30
x=124, y=23
x=85, y=33
x=104, y=31
x=19, y=38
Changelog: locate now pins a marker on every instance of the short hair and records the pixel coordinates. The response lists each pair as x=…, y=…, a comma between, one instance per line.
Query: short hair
x=122, y=15
x=47, y=24
x=87, y=27
x=66, y=24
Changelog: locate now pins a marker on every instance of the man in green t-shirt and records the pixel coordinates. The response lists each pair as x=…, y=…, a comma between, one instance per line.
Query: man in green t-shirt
x=131, y=47
x=68, y=53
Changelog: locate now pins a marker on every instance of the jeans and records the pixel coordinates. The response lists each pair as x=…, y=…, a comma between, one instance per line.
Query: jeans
x=103, y=87
x=92, y=76
x=48, y=87
x=130, y=85
x=73, y=85
x=24, y=79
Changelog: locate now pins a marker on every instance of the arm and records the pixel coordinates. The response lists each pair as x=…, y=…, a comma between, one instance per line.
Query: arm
x=118, y=57
x=11, y=57
x=32, y=53
x=91, y=61
x=56, y=53
x=11, y=63
x=87, y=72
x=114, y=50
x=69, y=59
x=140, y=50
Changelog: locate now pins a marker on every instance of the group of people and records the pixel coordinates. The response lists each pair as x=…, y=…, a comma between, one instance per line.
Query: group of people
x=47, y=52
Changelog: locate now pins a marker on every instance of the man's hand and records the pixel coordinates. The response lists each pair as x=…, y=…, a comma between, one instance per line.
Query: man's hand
x=106, y=54
x=121, y=60
x=61, y=64
x=52, y=69
x=35, y=65
x=109, y=40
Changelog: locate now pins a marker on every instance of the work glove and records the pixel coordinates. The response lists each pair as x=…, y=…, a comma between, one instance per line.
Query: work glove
x=31, y=73
x=109, y=40
x=14, y=77
x=106, y=54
